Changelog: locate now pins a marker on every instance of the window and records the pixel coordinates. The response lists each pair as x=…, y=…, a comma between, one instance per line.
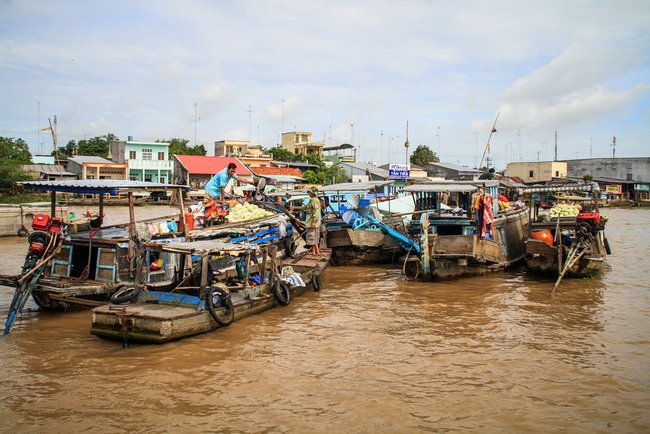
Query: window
x=557, y=173
x=531, y=173
x=161, y=155
x=146, y=154
x=148, y=177
x=132, y=155
x=162, y=180
x=133, y=177
x=297, y=138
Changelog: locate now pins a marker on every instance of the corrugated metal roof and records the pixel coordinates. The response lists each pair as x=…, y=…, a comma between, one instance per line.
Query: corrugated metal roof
x=274, y=171
x=452, y=186
x=208, y=165
x=97, y=186
x=50, y=169
x=355, y=186
x=441, y=187
x=90, y=159
x=456, y=167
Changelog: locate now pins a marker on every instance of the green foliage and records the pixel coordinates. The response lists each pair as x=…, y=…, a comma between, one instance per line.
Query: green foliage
x=13, y=154
x=179, y=147
x=587, y=178
x=423, y=155
x=15, y=150
x=68, y=150
x=97, y=146
x=311, y=177
x=336, y=175
x=281, y=154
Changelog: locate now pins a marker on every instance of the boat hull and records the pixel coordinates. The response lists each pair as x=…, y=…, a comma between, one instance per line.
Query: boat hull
x=543, y=259
x=469, y=255
x=160, y=323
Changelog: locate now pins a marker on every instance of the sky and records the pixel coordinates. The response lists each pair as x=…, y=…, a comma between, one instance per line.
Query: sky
x=348, y=71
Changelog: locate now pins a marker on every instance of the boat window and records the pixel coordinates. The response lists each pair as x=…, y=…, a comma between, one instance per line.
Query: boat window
x=449, y=230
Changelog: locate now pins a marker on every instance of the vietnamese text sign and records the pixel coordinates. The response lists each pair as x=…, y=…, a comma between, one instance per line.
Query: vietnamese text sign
x=398, y=171
x=613, y=188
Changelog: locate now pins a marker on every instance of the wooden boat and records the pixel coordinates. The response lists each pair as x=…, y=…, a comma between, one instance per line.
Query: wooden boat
x=65, y=269
x=219, y=299
x=355, y=247
x=567, y=246
x=16, y=218
x=449, y=241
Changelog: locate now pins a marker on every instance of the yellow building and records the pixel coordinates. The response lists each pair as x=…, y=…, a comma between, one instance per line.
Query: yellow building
x=537, y=171
x=300, y=142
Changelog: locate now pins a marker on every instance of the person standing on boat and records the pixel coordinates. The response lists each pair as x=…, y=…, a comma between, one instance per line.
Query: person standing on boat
x=216, y=186
x=312, y=221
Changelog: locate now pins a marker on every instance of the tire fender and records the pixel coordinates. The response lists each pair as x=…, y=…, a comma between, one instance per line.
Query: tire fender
x=315, y=283
x=125, y=293
x=224, y=302
x=281, y=292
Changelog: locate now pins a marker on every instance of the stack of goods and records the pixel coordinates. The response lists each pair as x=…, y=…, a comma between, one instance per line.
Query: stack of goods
x=564, y=210
x=248, y=211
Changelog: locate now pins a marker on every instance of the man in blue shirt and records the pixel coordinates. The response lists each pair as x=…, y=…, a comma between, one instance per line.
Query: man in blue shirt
x=215, y=186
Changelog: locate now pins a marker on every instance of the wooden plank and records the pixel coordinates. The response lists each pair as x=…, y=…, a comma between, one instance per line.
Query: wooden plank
x=538, y=247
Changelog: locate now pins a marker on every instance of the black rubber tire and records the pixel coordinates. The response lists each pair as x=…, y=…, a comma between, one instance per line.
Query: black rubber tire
x=289, y=247
x=315, y=283
x=225, y=302
x=22, y=232
x=125, y=293
x=281, y=292
x=607, y=248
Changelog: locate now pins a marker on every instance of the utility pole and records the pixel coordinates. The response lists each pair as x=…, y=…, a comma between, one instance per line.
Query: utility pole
x=614, y=147
x=195, y=125
x=555, y=158
x=406, y=147
x=250, y=111
x=282, y=125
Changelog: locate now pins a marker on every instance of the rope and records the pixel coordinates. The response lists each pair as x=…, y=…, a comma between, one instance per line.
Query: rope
x=417, y=270
x=86, y=271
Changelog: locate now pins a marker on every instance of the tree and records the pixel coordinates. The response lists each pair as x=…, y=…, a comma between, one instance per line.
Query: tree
x=281, y=154
x=179, y=147
x=311, y=177
x=336, y=175
x=68, y=150
x=97, y=146
x=13, y=154
x=423, y=155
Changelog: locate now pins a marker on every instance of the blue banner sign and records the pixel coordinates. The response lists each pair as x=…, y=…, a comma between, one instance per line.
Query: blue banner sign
x=399, y=171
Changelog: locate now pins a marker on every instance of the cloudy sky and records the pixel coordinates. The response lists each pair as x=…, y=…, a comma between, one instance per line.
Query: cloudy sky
x=348, y=71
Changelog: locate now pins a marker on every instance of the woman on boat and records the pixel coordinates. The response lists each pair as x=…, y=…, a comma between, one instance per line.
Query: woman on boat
x=216, y=186
x=312, y=221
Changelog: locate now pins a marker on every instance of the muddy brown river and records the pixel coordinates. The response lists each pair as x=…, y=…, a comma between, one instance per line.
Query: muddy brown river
x=370, y=353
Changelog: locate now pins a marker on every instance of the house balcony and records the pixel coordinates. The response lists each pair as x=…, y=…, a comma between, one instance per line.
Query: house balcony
x=150, y=164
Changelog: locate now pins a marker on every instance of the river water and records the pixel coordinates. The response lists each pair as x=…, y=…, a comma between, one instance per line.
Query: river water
x=370, y=353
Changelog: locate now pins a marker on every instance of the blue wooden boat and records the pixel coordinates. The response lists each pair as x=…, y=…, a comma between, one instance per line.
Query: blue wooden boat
x=217, y=298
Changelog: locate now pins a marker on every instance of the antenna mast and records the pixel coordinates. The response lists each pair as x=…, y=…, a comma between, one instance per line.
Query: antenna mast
x=487, y=146
x=555, y=159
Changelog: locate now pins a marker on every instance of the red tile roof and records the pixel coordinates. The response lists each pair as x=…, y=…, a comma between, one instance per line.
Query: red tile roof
x=205, y=165
x=284, y=171
x=517, y=179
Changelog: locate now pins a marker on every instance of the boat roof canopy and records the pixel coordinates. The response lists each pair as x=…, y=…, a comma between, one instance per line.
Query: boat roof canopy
x=572, y=186
x=355, y=186
x=451, y=186
x=98, y=186
x=204, y=247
